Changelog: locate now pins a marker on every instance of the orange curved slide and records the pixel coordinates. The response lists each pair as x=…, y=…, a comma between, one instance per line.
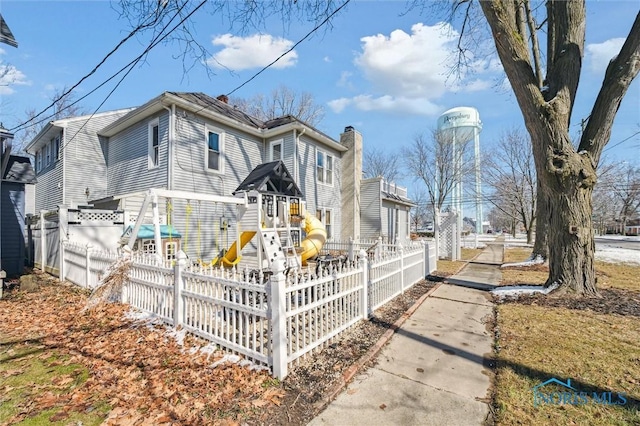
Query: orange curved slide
x=231, y=257
x=316, y=236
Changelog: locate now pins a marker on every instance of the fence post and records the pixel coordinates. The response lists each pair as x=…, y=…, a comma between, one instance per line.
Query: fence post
x=364, y=264
x=278, y=318
x=350, y=252
x=63, y=227
x=43, y=243
x=425, y=258
x=178, y=306
x=87, y=262
x=401, y=253
x=379, y=248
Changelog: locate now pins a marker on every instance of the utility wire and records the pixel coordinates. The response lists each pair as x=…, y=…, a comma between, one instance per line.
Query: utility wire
x=316, y=28
x=133, y=63
x=102, y=61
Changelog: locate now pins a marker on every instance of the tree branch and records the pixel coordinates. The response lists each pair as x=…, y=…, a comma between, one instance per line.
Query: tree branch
x=620, y=73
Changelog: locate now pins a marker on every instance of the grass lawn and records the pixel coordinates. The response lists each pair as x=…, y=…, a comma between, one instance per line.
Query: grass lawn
x=35, y=383
x=598, y=352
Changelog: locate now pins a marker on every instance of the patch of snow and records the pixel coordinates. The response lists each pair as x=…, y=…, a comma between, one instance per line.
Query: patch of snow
x=517, y=290
x=230, y=358
x=179, y=335
x=538, y=260
x=618, y=255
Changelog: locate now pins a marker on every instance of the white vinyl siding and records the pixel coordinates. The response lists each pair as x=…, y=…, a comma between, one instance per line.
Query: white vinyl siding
x=128, y=158
x=154, y=143
x=370, y=209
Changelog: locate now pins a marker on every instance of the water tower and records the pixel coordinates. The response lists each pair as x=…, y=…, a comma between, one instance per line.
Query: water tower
x=460, y=125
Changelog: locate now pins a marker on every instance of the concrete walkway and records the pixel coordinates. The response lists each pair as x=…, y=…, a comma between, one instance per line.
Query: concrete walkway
x=433, y=371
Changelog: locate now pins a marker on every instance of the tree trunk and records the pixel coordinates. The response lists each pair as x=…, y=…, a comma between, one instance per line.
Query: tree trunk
x=541, y=243
x=568, y=183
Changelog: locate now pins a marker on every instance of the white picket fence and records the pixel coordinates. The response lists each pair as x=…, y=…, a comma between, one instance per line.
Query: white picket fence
x=273, y=320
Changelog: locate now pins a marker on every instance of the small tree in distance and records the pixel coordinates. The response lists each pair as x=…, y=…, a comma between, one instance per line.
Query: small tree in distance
x=282, y=101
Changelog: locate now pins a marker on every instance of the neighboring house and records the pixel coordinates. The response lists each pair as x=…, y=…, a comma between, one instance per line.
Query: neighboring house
x=385, y=210
x=632, y=227
x=17, y=173
x=70, y=160
x=195, y=143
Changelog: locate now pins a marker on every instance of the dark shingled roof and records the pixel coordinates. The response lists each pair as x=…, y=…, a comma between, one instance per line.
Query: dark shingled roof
x=220, y=107
x=397, y=198
x=273, y=178
x=19, y=170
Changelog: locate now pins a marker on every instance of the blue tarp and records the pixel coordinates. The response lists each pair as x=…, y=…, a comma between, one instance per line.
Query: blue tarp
x=146, y=232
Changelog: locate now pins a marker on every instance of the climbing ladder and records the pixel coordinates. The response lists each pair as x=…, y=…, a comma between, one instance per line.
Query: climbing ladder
x=273, y=249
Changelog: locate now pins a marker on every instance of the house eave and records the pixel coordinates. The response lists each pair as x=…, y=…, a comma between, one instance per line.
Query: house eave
x=315, y=134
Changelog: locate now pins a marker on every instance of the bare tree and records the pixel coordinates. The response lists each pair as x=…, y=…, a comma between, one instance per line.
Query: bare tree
x=377, y=162
x=510, y=171
x=282, y=101
x=420, y=213
x=433, y=161
x=63, y=107
x=567, y=173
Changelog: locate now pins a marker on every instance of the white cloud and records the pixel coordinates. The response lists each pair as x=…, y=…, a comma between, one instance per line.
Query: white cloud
x=11, y=76
x=327, y=59
x=599, y=54
x=345, y=78
x=256, y=51
x=387, y=103
x=408, y=72
x=2, y=51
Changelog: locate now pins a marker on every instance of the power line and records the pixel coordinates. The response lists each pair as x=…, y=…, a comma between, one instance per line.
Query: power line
x=623, y=140
x=293, y=47
x=102, y=61
x=133, y=63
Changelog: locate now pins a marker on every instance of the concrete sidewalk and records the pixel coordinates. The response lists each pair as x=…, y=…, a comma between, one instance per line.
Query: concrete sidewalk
x=483, y=272
x=433, y=371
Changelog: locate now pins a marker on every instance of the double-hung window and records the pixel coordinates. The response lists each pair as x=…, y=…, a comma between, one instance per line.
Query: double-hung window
x=325, y=216
x=38, y=161
x=154, y=143
x=213, y=156
x=324, y=167
x=56, y=147
x=47, y=153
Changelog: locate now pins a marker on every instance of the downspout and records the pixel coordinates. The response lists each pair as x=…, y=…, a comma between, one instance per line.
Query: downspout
x=63, y=143
x=170, y=140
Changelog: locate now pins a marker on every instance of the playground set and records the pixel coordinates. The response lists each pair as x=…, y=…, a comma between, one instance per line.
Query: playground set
x=271, y=223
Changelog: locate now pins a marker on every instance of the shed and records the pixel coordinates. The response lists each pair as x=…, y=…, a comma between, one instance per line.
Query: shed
x=16, y=175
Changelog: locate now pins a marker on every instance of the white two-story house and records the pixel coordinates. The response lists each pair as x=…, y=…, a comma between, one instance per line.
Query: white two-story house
x=196, y=143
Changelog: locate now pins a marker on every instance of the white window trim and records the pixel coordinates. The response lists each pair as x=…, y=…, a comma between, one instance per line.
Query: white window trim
x=325, y=154
x=38, y=160
x=150, y=163
x=271, y=145
x=221, y=138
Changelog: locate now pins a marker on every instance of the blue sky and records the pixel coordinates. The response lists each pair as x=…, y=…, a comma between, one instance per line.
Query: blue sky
x=377, y=70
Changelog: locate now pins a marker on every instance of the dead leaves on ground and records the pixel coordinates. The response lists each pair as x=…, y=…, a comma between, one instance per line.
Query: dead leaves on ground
x=140, y=371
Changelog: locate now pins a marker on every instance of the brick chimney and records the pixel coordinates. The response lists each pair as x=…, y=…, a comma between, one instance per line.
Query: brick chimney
x=223, y=98
x=351, y=178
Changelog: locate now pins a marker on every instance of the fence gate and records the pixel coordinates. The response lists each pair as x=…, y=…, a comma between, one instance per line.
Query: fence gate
x=448, y=236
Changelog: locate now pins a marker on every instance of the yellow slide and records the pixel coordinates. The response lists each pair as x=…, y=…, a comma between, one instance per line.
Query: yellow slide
x=316, y=236
x=231, y=257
